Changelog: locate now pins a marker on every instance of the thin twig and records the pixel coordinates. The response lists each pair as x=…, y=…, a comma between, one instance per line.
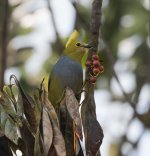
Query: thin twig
x=95, y=35
x=80, y=18
x=53, y=19
x=59, y=44
x=111, y=60
x=144, y=118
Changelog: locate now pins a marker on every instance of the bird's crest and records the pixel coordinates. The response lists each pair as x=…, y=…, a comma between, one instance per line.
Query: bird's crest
x=75, y=49
x=71, y=43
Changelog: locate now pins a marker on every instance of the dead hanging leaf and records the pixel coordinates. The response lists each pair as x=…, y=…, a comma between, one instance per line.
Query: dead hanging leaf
x=29, y=106
x=8, y=118
x=73, y=109
x=92, y=130
x=8, y=126
x=66, y=127
x=7, y=105
x=30, y=113
x=20, y=109
x=9, y=92
x=58, y=140
x=15, y=105
x=47, y=131
x=27, y=140
x=37, y=148
x=94, y=140
x=38, y=108
x=50, y=108
x=52, y=151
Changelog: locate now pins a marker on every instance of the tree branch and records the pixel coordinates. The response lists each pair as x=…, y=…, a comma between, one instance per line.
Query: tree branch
x=95, y=29
x=95, y=23
x=145, y=117
x=111, y=60
x=95, y=33
x=88, y=109
x=59, y=46
x=79, y=18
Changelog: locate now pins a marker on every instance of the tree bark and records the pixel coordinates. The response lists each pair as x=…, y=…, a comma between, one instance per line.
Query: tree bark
x=88, y=110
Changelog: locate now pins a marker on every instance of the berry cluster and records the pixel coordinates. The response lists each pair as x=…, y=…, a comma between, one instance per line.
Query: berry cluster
x=95, y=68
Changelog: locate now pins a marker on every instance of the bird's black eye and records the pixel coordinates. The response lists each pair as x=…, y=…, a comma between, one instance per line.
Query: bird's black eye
x=78, y=44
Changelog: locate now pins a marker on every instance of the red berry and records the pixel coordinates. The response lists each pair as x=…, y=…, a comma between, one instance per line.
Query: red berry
x=95, y=57
x=101, y=68
x=96, y=63
x=92, y=80
x=88, y=63
x=96, y=71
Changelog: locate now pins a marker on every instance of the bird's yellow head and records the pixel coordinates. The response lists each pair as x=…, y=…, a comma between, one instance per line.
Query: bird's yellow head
x=74, y=49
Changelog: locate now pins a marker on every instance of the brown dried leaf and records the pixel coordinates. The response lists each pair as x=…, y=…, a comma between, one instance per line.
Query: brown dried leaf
x=47, y=131
x=58, y=140
x=27, y=140
x=67, y=129
x=92, y=130
x=37, y=149
x=94, y=140
x=73, y=109
x=52, y=151
x=20, y=109
x=50, y=108
x=29, y=106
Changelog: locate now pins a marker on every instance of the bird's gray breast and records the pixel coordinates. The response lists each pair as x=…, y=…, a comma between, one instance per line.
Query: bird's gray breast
x=69, y=73
x=66, y=72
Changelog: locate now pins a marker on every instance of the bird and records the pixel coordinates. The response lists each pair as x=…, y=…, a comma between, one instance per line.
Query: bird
x=68, y=72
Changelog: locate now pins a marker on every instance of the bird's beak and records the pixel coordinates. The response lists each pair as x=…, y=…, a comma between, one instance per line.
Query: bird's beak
x=83, y=45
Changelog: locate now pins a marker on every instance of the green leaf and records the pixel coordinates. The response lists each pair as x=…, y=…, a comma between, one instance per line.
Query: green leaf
x=7, y=105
